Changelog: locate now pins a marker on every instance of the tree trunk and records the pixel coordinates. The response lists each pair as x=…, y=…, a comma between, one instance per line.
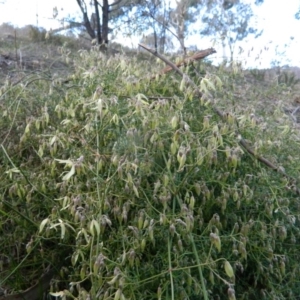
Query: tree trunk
x=86, y=20
x=162, y=41
x=88, y=26
x=105, y=14
x=99, y=35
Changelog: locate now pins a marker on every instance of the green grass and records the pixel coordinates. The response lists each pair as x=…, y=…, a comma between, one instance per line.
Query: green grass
x=137, y=189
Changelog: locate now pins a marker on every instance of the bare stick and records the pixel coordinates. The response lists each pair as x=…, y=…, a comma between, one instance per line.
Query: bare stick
x=199, y=55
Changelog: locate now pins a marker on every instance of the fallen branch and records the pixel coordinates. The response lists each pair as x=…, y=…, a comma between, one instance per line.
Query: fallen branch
x=199, y=55
x=242, y=142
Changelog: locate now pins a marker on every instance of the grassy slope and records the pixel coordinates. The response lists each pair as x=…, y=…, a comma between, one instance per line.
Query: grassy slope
x=122, y=180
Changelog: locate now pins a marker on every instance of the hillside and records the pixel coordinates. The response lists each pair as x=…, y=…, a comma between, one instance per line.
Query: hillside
x=120, y=183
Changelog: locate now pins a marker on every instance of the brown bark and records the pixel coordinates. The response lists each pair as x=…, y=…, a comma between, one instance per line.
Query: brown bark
x=105, y=13
x=99, y=34
x=199, y=55
x=86, y=20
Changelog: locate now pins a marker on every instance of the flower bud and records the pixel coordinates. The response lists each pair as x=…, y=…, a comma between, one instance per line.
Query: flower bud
x=231, y=294
x=174, y=122
x=228, y=269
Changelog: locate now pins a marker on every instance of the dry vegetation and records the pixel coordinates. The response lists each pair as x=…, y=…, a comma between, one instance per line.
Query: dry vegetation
x=131, y=188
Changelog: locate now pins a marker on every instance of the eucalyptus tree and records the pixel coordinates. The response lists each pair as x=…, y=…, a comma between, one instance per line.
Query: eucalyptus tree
x=182, y=16
x=168, y=21
x=103, y=13
x=230, y=21
x=153, y=20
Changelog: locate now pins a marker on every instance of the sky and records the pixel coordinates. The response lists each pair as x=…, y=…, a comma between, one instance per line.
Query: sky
x=281, y=30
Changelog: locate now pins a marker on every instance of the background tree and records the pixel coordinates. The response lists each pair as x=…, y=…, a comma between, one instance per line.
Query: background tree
x=168, y=23
x=155, y=17
x=159, y=22
x=184, y=14
x=86, y=21
x=103, y=13
x=229, y=20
